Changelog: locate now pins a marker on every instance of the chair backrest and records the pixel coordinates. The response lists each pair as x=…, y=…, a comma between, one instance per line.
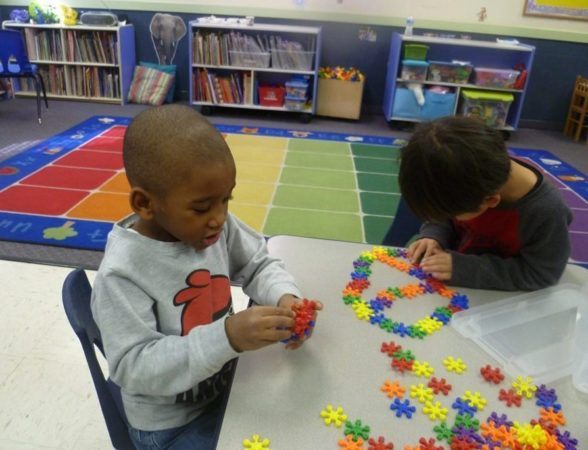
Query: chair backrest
x=13, y=49
x=404, y=226
x=76, y=295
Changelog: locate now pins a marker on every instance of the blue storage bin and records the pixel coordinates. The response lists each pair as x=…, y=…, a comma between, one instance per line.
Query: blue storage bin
x=405, y=105
x=437, y=105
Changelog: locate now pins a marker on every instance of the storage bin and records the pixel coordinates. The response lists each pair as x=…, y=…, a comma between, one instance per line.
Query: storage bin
x=499, y=78
x=416, y=51
x=491, y=107
x=414, y=70
x=543, y=334
x=271, y=95
x=295, y=104
x=405, y=105
x=437, y=105
x=292, y=60
x=449, y=72
x=339, y=98
x=297, y=89
x=249, y=59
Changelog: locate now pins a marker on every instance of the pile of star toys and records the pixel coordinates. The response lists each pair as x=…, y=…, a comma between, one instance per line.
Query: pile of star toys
x=304, y=313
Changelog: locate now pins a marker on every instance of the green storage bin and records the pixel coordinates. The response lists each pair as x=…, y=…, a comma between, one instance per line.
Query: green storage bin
x=416, y=51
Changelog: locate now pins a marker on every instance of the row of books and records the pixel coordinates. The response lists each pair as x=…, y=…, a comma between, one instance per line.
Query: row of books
x=80, y=46
x=237, y=49
x=216, y=88
x=91, y=46
x=77, y=81
x=45, y=45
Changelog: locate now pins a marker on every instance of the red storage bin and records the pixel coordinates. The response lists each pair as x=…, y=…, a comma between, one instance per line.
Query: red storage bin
x=271, y=95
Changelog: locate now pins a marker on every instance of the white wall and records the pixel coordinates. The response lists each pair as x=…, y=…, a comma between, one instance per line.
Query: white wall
x=507, y=13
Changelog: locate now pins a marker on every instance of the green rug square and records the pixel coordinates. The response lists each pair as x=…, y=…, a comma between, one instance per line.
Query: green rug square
x=377, y=165
x=379, y=204
x=375, y=151
x=316, y=177
x=324, y=161
x=316, y=146
x=317, y=224
x=316, y=198
x=378, y=183
x=375, y=228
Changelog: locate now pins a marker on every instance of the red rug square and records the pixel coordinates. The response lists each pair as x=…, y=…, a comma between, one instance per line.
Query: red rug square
x=107, y=144
x=69, y=177
x=116, y=131
x=92, y=159
x=40, y=200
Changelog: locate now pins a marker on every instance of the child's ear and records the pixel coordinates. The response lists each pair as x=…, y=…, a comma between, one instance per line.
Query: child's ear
x=493, y=200
x=141, y=203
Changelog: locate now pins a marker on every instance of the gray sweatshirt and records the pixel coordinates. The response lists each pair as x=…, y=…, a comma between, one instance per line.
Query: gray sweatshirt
x=161, y=308
x=518, y=246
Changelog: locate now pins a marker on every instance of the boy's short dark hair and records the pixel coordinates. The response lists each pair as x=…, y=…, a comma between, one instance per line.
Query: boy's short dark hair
x=450, y=165
x=162, y=145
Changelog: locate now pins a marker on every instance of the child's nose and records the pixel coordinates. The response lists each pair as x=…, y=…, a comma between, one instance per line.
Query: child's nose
x=218, y=218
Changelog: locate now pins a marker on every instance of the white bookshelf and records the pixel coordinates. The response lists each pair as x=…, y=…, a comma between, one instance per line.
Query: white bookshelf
x=220, y=61
x=81, y=62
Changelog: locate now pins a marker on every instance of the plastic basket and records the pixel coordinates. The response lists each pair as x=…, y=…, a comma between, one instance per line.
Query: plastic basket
x=292, y=60
x=416, y=51
x=249, y=59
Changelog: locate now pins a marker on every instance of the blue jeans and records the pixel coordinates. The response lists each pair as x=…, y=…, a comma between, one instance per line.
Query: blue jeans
x=200, y=434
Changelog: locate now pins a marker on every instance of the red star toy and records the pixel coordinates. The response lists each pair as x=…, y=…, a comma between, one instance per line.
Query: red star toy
x=390, y=348
x=491, y=374
x=439, y=386
x=510, y=397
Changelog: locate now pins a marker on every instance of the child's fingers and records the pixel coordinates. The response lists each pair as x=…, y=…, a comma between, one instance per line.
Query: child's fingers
x=443, y=276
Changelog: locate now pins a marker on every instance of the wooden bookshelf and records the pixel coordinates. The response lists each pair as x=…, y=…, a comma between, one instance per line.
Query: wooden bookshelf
x=90, y=63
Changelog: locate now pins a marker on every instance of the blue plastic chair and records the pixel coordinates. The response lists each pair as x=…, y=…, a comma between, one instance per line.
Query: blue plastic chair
x=14, y=63
x=76, y=295
x=403, y=228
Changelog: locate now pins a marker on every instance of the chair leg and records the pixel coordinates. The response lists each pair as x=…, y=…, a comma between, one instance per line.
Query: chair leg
x=38, y=90
x=44, y=92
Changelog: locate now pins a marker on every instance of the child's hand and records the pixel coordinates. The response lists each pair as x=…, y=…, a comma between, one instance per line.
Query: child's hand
x=259, y=326
x=438, y=265
x=421, y=249
x=288, y=300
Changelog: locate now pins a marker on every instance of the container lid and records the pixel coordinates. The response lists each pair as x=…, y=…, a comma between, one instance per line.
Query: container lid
x=541, y=334
x=415, y=62
x=295, y=99
x=297, y=83
x=452, y=63
x=488, y=69
x=487, y=95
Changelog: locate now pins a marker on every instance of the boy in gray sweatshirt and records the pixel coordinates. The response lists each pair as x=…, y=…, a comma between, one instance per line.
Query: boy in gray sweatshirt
x=491, y=222
x=162, y=298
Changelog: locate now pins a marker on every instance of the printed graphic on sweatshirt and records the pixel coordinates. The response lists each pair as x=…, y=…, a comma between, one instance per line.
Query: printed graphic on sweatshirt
x=204, y=300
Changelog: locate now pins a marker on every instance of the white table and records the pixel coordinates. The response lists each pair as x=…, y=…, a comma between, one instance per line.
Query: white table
x=279, y=394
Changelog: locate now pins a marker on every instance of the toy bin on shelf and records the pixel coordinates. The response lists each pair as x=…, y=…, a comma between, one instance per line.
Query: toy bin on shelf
x=292, y=60
x=249, y=59
x=416, y=51
x=449, y=72
x=438, y=105
x=339, y=98
x=297, y=89
x=271, y=96
x=497, y=78
x=405, y=105
x=491, y=107
x=294, y=104
x=413, y=69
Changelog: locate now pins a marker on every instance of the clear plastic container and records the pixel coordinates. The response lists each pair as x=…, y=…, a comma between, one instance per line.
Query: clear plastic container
x=498, y=78
x=449, y=72
x=297, y=89
x=413, y=69
x=294, y=104
x=491, y=107
x=249, y=59
x=292, y=60
x=542, y=334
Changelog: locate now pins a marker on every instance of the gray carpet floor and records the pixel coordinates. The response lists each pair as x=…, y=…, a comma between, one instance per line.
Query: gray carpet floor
x=18, y=123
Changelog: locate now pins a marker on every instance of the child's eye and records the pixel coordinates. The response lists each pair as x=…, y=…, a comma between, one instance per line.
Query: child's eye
x=201, y=210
